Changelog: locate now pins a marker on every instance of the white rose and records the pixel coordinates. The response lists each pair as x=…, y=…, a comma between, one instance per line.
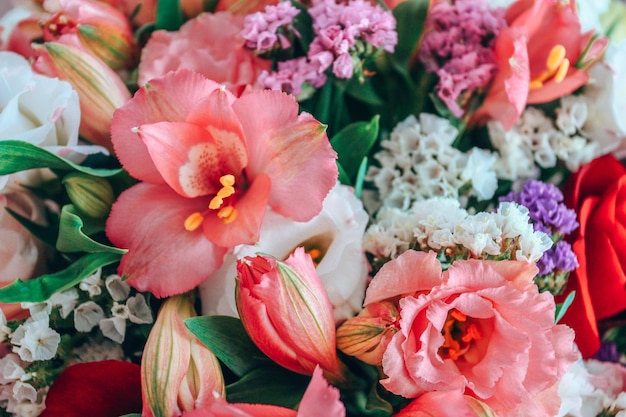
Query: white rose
x=21, y=254
x=337, y=232
x=606, y=100
x=36, y=109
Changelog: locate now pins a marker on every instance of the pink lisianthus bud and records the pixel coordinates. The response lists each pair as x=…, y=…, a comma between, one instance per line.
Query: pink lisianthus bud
x=178, y=372
x=286, y=311
x=367, y=335
x=100, y=90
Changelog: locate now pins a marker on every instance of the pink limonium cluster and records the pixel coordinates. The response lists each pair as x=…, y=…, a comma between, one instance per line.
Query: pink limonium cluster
x=263, y=31
x=459, y=47
x=346, y=35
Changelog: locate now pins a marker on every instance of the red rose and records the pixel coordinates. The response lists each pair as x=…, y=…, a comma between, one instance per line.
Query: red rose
x=598, y=194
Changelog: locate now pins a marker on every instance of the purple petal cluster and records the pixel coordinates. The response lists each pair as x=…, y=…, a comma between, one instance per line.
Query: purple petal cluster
x=458, y=46
x=559, y=258
x=545, y=207
x=261, y=30
x=345, y=34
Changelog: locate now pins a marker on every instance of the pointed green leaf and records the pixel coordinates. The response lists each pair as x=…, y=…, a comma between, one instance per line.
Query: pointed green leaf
x=228, y=340
x=47, y=234
x=343, y=177
x=72, y=237
x=360, y=178
x=269, y=385
x=353, y=143
x=19, y=156
x=561, y=309
x=40, y=289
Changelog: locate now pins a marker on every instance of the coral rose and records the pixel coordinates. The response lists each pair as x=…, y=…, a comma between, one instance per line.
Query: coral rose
x=210, y=44
x=480, y=326
x=598, y=194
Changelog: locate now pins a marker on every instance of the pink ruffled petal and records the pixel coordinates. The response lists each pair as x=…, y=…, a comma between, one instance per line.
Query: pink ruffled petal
x=288, y=148
x=320, y=398
x=190, y=158
x=162, y=257
x=170, y=98
x=246, y=227
x=409, y=273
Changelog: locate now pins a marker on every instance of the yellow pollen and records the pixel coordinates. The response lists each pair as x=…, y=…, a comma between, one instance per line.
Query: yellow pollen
x=228, y=214
x=562, y=71
x=535, y=84
x=227, y=180
x=216, y=202
x=556, y=57
x=193, y=221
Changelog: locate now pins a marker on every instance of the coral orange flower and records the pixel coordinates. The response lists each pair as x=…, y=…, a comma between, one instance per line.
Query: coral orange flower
x=210, y=165
x=542, y=56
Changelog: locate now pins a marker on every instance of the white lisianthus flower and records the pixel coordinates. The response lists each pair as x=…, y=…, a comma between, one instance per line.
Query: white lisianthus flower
x=35, y=339
x=87, y=316
x=606, y=101
x=333, y=238
x=36, y=109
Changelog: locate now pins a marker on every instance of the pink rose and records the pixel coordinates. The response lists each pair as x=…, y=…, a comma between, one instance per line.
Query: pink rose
x=210, y=44
x=480, y=326
x=21, y=254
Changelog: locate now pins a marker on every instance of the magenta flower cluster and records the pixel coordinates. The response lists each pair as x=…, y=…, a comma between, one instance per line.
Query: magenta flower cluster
x=264, y=30
x=458, y=46
x=546, y=209
x=345, y=35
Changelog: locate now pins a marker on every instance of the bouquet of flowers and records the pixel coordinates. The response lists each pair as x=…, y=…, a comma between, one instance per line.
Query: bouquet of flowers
x=313, y=208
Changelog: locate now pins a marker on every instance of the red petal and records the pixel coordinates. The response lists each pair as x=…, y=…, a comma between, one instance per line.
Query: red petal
x=96, y=389
x=162, y=257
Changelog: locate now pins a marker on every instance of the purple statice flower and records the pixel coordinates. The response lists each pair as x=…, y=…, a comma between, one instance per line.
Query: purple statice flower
x=261, y=30
x=458, y=46
x=545, y=207
x=608, y=352
x=559, y=258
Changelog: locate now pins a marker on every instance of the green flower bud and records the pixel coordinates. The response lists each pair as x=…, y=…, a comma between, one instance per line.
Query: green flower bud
x=93, y=196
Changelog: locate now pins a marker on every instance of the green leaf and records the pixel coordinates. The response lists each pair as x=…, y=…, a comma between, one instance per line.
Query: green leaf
x=343, y=177
x=353, y=143
x=40, y=289
x=169, y=15
x=360, y=178
x=303, y=24
x=269, y=385
x=228, y=340
x=19, y=156
x=410, y=17
x=561, y=309
x=364, y=92
x=47, y=234
x=72, y=237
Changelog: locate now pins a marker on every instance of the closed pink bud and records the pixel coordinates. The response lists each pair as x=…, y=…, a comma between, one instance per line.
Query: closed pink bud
x=178, y=372
x=286, y=311
x=367, y=335
x=100, y=90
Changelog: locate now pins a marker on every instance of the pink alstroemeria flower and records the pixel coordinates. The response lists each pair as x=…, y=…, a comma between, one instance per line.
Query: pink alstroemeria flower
x=210, y=164
x=537, y=56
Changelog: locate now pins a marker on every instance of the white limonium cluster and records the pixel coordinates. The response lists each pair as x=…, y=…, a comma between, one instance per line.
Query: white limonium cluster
x=442, y=225
x=418, y=162
x=538, y=140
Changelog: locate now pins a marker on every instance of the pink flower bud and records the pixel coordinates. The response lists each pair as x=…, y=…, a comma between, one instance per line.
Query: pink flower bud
x=286, y=311
x=100, y=90
x=178, y=372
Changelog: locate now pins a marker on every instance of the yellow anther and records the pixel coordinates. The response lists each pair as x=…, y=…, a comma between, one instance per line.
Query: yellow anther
x=193, y=221
x=227, y=180
x=562, y=71
x=216, y=202
x=228, y=214
x=556, y=57
x=226, y=191
x=535, y=84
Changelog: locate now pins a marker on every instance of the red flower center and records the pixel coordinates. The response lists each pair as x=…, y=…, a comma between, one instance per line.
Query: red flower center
x=459, y=333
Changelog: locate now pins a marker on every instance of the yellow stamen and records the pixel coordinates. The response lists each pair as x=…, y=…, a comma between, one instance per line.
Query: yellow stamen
x=556, y=57
x=457, y=315
x=216, y=202
x=193, y=221
x=535, y=84
x=228, y=214
x=562, y=71
x=227, y=180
